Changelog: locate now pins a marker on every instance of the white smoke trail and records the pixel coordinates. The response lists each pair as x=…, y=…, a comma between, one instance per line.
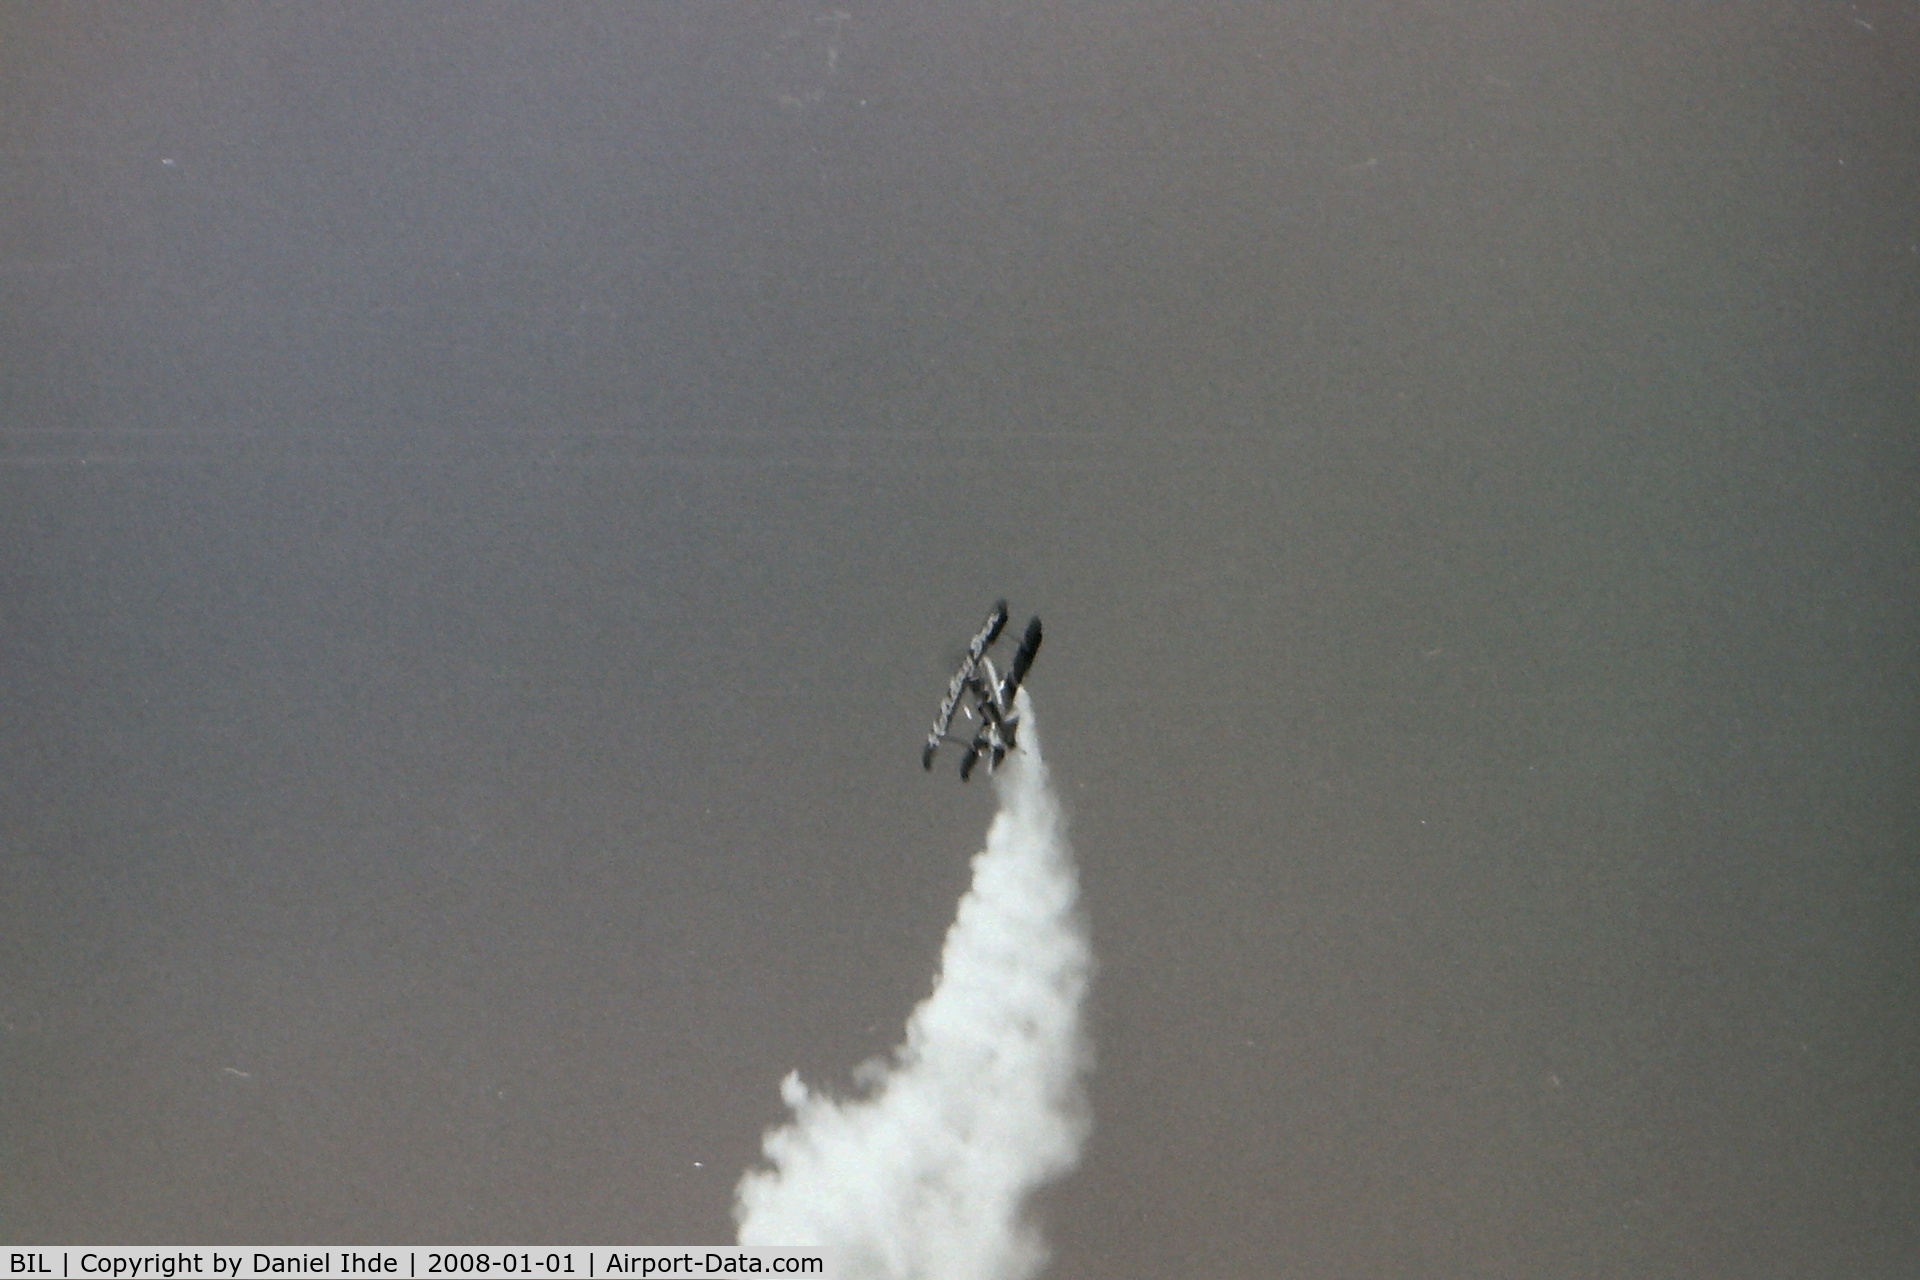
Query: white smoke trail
x=926, y=1176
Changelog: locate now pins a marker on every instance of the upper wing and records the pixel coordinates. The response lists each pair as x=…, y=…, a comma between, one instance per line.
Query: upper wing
x=975, y=651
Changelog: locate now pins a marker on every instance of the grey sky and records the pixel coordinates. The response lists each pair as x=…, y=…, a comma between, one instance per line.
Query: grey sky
x=490, y=496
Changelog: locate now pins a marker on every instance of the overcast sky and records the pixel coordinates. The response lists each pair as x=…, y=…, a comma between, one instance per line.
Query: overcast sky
x=491, y=495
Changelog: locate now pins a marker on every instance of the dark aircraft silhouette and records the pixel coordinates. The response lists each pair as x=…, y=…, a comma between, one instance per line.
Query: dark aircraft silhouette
x=990, y=695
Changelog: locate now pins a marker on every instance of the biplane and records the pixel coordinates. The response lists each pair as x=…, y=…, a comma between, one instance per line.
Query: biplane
x=980, y=693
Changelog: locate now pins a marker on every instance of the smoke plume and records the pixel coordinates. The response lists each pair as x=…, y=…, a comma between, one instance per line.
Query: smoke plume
x=927, y=1173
